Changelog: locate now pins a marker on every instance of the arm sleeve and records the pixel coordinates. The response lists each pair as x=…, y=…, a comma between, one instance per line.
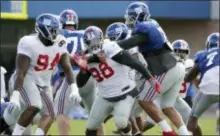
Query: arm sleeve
x=24, y=47
x=132, y=41
x=82, y=78
x=126, y=59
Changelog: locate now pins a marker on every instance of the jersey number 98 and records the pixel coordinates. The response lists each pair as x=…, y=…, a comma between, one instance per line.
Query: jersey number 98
x=105, y=72
x=43, y=62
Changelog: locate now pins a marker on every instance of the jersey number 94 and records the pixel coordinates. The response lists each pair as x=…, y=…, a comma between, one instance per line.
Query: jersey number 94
x=43, y=62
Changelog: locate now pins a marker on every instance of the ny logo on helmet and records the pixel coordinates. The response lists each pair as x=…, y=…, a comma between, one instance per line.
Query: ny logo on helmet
x=69, y=17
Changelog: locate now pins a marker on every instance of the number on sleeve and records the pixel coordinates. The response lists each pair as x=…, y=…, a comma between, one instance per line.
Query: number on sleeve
x=210, y=58
x=106, y=72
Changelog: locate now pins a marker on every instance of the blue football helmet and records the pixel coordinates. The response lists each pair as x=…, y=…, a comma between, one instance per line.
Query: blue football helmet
x=117, y=31
x=93, y=39
x=136, y=12
x=181, y=48
x=47, y=26
x=69, y=17
x=212, y=40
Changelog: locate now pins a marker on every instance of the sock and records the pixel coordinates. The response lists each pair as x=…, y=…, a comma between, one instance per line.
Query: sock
x=137, y=134
x=126, y=134
x=183, y=130
x=164, y=126
x=39, y=131
x=18, y=130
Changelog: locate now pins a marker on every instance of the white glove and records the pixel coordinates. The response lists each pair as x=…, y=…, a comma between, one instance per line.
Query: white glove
x=74, y=95
x=15, y=98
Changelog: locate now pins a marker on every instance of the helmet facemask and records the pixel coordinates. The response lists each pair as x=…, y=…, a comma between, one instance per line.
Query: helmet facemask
x=183, y=54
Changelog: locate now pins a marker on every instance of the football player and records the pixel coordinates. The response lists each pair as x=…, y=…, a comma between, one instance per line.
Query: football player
x=37, y=55
x=110, y=67
x=152, y=42
x=63, y=107
x=208, y=67
x=119, y=31
x=211, y=42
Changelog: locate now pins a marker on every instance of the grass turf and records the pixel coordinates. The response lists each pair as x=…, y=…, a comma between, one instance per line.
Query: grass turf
x=78, y=127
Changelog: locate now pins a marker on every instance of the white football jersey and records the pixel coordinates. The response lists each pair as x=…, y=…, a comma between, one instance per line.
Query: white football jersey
x=188, y=63
x=43, y=59
x=113, y=78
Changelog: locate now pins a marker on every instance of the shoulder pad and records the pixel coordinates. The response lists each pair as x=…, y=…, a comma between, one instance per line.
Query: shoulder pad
x=141, y=28
x=189, y=63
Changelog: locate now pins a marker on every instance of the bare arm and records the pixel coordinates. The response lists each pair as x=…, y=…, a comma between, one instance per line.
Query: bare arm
x=193, y=73
x=66, y=66
x=22, y=65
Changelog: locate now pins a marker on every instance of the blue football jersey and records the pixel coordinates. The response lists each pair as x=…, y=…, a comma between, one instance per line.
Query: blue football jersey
x=156, y=37
x=207, y=60
x=75, y=43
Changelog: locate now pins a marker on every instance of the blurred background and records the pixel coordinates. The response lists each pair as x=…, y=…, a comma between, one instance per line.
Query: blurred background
x=189, y=20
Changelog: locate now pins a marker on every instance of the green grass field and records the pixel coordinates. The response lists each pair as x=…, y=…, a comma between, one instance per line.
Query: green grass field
x=78, y=127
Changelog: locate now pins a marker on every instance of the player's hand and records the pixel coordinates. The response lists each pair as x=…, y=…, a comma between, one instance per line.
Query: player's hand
x=15, y=98
x=81, y=61
x=74, y=95
x=154, y=83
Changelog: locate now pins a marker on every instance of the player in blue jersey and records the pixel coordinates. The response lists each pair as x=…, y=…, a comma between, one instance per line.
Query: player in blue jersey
x=207, y=65
x=64, y=105
x=157, y=51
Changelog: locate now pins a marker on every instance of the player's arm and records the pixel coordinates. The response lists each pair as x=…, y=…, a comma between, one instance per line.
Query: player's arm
x=23, y=59
x=192, y=74
x=82, y=78
x=132, y=41
x=123, y=57
x=66, y=66
x=22, y=65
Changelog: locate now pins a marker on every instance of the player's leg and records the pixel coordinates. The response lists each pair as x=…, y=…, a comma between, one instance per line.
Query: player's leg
x=145, y=101
x=172, y=84
x=30, y=97
x=183, y=108
x=149, y=122
x=121, y=113
x=47, y=112
x=63, y=107
x=135, y=119
x=101, y=108
x=201, y=103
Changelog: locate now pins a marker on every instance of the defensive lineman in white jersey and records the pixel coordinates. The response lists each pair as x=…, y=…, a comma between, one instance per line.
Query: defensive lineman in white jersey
x=119, y=31
x=109, y=65
x=37, y=55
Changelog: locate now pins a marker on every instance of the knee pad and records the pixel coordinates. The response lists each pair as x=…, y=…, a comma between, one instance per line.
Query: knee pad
x=121, y=122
